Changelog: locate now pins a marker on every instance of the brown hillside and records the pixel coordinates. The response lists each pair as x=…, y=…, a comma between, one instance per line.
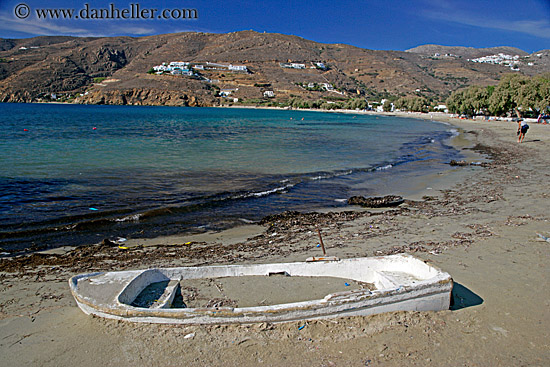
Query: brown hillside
x=33, y=68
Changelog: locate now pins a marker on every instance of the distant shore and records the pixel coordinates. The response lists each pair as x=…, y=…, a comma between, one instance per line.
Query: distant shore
x=435, y=116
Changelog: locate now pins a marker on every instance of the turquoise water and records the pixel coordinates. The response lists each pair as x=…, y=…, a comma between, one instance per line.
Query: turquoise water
x=75, y=174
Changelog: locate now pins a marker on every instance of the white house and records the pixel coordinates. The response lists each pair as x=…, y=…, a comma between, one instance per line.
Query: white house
x=215, y=66
x=178, y=71
x=380, y=107
x=161, y=68
x=292, y=65
x=320, y=65
x=500, y=59
x=227, y=92
x=442, y=107
x=237, y=67
x=269, y=94
x=179, y=64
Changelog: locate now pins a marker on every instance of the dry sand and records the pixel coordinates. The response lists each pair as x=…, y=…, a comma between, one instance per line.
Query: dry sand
x=478, y=224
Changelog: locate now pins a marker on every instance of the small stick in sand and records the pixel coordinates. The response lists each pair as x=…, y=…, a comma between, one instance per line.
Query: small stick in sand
x=321, y=242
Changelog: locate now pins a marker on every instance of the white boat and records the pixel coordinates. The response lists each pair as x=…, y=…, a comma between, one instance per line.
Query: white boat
x=398, y=283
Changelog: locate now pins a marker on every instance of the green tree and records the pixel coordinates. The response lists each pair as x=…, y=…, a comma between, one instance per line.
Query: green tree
x=507, y=94
x=317, y=103
x=477, y=99
x=401, y=103
x=514, y=92
x=535, y=94
x=355, y=103
x=471, y=101
x=412, y=103
x=543, y=104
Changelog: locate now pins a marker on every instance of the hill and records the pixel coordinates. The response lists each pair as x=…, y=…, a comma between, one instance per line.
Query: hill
x=113, y=70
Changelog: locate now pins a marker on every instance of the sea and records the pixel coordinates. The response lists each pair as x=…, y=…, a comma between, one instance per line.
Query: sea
x=74, y=175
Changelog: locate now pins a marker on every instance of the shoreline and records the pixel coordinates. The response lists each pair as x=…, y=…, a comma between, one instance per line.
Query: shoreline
x=482, y=229
x=425, y=185
x=414, y=189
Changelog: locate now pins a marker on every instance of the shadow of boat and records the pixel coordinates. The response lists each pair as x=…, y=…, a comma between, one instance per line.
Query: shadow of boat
x=462, y=297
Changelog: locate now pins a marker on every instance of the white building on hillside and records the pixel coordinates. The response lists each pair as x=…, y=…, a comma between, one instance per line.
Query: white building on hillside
x=320, y=65
x=179, y=64
x=237, y=67
x=227, y=92
x=161, y=68
x=442, y=107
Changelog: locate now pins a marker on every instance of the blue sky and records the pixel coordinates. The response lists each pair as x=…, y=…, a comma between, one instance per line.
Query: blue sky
x=372, y=24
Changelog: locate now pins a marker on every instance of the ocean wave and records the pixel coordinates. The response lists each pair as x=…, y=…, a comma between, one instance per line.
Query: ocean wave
x=129, y=218
x=247, y=221
x=383, y=168
x=454, y=132
x=268, y=192
x=329, y=175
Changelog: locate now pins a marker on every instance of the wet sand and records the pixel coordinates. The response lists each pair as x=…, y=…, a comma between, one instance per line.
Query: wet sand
x=479, y=224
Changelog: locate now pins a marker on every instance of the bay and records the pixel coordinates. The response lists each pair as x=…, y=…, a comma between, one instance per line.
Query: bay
x=76, y=174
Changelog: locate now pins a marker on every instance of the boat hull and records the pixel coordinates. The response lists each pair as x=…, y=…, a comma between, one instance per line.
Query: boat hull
x=402, y=282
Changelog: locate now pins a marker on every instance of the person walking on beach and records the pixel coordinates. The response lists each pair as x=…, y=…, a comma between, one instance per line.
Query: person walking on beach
x=522, y=130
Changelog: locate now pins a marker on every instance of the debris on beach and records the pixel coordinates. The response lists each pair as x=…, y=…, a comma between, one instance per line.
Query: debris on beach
x=189, y=336
x=108, y=242
x=464, y=163
x=376, y=202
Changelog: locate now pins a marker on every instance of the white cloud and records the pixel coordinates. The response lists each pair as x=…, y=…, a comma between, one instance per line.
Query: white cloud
x=34, y=27
x=445, y=11
x=539, y=28
x=139, y=31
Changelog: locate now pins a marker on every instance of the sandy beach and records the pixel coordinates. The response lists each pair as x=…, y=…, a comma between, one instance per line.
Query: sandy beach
x=479, y=224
